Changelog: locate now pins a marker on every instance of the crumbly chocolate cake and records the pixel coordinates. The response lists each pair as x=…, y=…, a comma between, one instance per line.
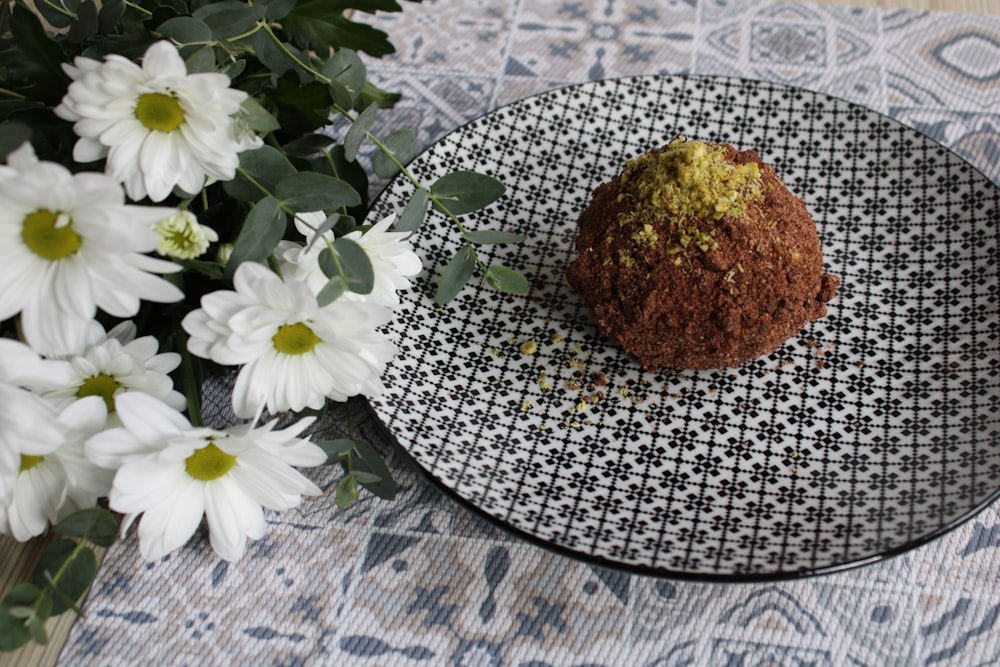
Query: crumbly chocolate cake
x=697, y=256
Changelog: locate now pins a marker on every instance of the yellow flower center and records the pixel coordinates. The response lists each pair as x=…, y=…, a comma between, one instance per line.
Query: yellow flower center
x=157, y=111
x=209, y=463
x=295, y=338
x=28, y=461
x=102, y=385
x=48, y=239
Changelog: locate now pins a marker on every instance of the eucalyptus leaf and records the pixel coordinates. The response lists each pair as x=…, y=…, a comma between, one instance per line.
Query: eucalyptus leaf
x=253, y=113
x=13, y=633
x=110, y=15
x=346, y=491
x=275, y=58
x=85, y=24
x=278, y=9
x=369, y=461
x=265, y=166
x=231, y=22
x=200, y=61
x=356, y=265
x=70, y=569
x=402, y=147
x=336, y=449
x=366, y=478
x=456, y=274
x=96, y=525
x=332, y=290
x=334, y=162
x=505, y=279
x=346, y=68
x=359, y=130
x=340, y=95
x=186, y=30
x=58, y=14
x=414, y=213
x=487, y=236
x=307, y=145
x=309, y=191
x=263, y=228
x=461, y=192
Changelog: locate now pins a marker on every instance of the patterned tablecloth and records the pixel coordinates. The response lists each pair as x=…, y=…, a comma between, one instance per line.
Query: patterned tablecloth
x=422, y=581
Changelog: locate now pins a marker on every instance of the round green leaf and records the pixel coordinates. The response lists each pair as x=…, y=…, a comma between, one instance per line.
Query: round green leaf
x=186, y=30
x=69, y=569
x=96, y=525
x=371, y=471
x=263, y=228
x=346, y=68
x=336, y=449
x=461, y=192
x=13, y=632
x=346, y=492
x=358, y=131
x=414, y=214
x=504, y=279
x=307, y=145
x=256, y=117
x=401, y=146
x=263, y=166
x=333, y=290
x=309, y=191
x=356, y=265
x=456, y=274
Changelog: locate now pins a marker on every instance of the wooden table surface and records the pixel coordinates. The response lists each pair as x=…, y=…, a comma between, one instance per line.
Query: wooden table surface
x=17, y=560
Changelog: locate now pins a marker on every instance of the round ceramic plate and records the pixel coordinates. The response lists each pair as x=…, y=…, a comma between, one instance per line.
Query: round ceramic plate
x=873, y=431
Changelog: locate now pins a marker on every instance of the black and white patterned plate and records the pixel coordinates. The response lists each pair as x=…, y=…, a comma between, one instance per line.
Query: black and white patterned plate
x=873, y=431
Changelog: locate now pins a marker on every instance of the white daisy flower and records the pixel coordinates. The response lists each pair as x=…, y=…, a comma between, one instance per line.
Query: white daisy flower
x=173, y=474
x=294, y=353
x=393, y=260
x=117, y=362
x=183, y=237
x=52, y=485
x=70, y=245
x=158, y=126
x=28, y=423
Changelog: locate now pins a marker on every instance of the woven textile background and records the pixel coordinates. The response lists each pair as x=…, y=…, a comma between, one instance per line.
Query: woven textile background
x=420, y=580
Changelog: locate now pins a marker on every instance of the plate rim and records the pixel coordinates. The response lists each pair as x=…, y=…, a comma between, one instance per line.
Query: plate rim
x=649, y=570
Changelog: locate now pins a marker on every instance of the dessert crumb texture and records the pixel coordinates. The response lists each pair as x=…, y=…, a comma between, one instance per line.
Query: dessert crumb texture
x=698, y=256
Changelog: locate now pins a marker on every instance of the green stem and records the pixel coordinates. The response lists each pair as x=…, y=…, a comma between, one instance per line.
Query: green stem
x=61, y=9
x=189, y=379
x=308, y=68
x=52, y=580
x=136, y=7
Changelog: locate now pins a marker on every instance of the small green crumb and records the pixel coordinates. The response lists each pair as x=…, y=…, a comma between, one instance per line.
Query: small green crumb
x=529, y=347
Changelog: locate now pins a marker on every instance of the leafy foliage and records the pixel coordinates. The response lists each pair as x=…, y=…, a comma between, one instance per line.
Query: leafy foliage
x=301, y=64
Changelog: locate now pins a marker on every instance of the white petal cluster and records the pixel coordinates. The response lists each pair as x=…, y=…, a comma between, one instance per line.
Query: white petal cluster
x=158, y=126
x=393, y=260
x=44, y=473
x=174, y=474
x=294, y=354
x=70, y=245
x=117, y=362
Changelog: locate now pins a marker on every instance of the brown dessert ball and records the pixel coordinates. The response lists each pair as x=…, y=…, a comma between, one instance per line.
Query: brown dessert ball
x=697, y=256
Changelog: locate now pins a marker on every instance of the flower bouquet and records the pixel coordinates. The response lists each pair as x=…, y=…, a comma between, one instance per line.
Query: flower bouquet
x=184, y=189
